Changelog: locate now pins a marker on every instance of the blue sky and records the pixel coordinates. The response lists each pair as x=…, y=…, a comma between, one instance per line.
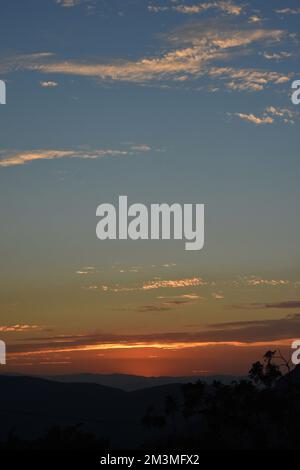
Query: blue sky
x=174, y=101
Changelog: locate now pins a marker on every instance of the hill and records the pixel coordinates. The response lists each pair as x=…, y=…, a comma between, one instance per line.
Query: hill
x=30, y=406
x=131, y=383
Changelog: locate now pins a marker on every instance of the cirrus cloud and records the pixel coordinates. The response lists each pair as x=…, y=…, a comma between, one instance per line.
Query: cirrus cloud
x=8, y=159
x=227, y=7
x=190, y=54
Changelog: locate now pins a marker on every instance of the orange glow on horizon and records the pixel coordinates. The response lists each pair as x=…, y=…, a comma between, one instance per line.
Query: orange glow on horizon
x=175, y=346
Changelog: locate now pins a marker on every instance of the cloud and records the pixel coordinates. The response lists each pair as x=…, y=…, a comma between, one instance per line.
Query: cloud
x=216, y=288
x=174, y=284
x=270, y=115
x=168, y=66
x=258, y=281
x=153, y=285
x=21, y=61
x=286, y=114
x=254, y=19
x=190, y=53
x=248, y=79
x=19, y=328
x=48, y=84
x=277, y=55
x=218, y=295
x=141, y=148
x=164, y=306
x=260, y=330
x=67, y=3
x=189, y=297
x=86, y=270
x=154, y=308
x=286, y=304
x=241, y=334
x=255, y=119
x=223, y=35
x=227, y=7
x=170, y=302
x=21, y=158
x=288, y=11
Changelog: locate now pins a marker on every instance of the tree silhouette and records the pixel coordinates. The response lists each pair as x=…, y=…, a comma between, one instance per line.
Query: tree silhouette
x=268, y=372
x=58, y=438
x=247, y=414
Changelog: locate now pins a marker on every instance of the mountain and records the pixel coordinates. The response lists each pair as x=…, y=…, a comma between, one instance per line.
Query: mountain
x=30, y=406
x=131, y=383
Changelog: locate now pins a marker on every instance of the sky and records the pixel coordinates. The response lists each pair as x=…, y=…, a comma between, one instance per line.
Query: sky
x=174, y=101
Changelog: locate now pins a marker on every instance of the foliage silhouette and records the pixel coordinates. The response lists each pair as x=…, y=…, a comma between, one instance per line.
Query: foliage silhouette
x=57, y=438
x=248, y=414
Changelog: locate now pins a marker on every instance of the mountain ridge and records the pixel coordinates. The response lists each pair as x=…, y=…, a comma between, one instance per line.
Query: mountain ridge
x=129, y=383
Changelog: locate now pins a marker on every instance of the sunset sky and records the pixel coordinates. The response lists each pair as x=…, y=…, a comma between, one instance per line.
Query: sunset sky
x=162, y=101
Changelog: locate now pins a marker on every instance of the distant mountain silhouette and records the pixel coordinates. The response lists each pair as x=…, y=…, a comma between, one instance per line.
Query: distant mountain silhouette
x=30, y=406
x=41, y=412
x=135, y=382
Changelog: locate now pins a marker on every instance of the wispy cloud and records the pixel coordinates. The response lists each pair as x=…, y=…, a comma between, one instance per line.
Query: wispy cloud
x=19, y=328
x=277, y=55
x=8, y=159
x=141, y=148
x=261, y=330
x=218, y=295
x=255, y=19
x=270, y=115
x=165, y=306
x=67, y=3
x=255, y=119
x=191, y=51
x=90, y=4
x=151, y=285
x=248, y=79
x=174, y=284
x=49, y=84
x=182, y=296
x=86, y=270
x=255, y=281
x=240, y=334
x=288, y=11
x=227, y=7
x=285, y=304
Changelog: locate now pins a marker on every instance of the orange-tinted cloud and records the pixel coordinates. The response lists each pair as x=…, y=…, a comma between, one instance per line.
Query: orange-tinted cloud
x=237, y=334
x=19, y=328
x=10, y=158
